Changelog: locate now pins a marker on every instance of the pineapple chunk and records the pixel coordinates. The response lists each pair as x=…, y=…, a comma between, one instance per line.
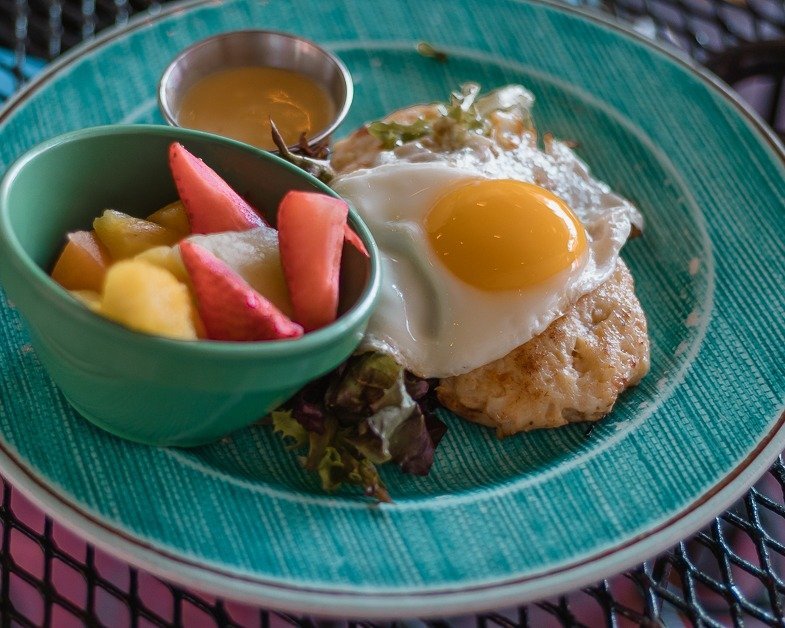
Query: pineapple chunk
x=168, y=258
x=173, y=217
x=125, y=236
x=147, y=298
x=82, y=263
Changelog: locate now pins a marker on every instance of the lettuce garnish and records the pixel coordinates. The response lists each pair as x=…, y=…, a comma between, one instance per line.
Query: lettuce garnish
x=368, y=412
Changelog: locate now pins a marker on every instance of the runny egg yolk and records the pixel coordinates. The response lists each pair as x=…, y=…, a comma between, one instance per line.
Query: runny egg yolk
x=502, y=234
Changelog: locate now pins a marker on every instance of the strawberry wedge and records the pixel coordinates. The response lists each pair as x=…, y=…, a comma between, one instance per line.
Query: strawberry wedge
x=210, y=203
x=352, y=238
x=311, y=230
x=229, y=308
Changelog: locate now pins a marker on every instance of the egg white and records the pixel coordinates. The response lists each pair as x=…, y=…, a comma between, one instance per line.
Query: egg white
x=437, y=325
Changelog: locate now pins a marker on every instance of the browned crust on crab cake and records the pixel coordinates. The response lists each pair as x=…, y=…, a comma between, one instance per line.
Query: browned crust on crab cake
x=573, y=371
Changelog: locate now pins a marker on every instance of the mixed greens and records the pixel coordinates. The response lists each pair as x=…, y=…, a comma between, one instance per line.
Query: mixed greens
x=367, y=412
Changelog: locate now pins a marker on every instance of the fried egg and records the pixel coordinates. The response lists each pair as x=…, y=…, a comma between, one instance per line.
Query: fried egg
x=481, y=248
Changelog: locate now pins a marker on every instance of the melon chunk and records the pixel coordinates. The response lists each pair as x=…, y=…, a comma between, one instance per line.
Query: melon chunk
x=173, y=217
x=311, y=229
x=82, y=263
x=212, y=206
x=125, y=236
x=253, y=255
x=146, y=298
x=228, y=306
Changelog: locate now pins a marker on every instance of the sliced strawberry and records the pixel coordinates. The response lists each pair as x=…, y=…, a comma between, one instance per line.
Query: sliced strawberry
x=352, y=238
x=310, y=237
x=229, y=308
x=210, y=203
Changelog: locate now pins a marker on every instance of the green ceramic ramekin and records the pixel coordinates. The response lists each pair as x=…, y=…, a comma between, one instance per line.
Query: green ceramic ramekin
x=144, y=388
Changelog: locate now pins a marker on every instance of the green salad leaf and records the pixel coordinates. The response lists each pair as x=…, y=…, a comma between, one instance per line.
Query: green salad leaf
x=360, y=416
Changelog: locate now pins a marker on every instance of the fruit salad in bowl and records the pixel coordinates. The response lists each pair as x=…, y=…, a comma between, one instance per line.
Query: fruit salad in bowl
x=209, y=265
x=196, y=282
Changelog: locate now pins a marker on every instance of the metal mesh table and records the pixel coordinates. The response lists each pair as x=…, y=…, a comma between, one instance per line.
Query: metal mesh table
x=732, y=572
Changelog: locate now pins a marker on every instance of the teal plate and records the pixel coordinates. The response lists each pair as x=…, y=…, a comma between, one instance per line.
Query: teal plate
x=496, y=522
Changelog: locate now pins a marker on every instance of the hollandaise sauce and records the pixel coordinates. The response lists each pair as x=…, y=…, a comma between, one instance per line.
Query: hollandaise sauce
x=239, y=102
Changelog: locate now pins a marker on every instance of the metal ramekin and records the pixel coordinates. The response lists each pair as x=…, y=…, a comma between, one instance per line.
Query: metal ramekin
x=257, y=48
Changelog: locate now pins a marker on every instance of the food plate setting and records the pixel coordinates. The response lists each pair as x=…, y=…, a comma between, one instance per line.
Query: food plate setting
x=496, y=521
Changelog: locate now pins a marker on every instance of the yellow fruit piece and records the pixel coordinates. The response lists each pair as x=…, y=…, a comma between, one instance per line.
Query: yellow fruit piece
x=82, y=262
x=196, y=320
x=168, y=258
x=173, y=217
x=90, y=298
x=147, y=298
x=125, y=236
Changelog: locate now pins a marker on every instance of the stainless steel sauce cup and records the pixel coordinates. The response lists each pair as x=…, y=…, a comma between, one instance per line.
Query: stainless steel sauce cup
x=257, y=48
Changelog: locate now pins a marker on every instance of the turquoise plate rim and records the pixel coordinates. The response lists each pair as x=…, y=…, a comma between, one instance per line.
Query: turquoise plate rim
x=383, y=604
